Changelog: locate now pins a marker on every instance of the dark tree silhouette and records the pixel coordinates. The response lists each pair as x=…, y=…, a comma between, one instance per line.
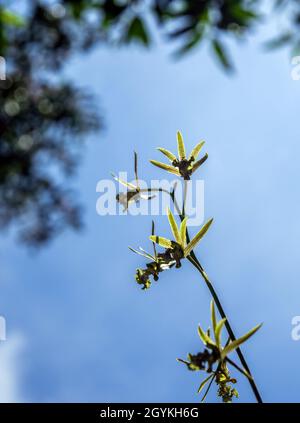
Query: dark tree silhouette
x=44, y=121
x=188, y=23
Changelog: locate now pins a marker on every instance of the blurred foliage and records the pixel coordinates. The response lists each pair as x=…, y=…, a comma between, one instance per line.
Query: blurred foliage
x=186, y=23
x=44, y=119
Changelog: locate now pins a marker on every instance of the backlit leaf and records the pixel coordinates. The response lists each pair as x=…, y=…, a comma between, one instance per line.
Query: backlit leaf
x=196, y=150
x=205, y=382
x=218, y=332
x=126, y=184
x=180, y=145
x=142, y=253
x=166, y=167
x=205, y=337
x=167, y=153
x=163, y=242
x=183, y=232
x=174, y=227
x=234, y=344
x=213, y=315
x=191, y=245
x=199, y=162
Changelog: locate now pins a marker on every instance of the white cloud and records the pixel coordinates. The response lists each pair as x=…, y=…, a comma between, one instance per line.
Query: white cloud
x=11, y=369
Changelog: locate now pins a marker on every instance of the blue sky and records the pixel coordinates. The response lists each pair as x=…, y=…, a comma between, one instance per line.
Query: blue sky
x=90, y=333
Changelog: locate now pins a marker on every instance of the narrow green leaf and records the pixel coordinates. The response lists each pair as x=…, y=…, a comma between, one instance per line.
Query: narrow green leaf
x=243, y=371
x=166, y=167
x=218, y=332
x=234, y=344
x=152, y=233
x=213, y=315
x=222, y=55
x=280, y=41
x=10, y=18
x=208, y=388
x=142, y=253
x=126, y=184
x=136, y=169
x=137, y=32
x=205, y=382
x=196, y=150
x=174, y=227
x=163, y=242
x=180, y=360
x=183, y=232
x=180, y=145
x=199, y=162
x=145, y=252
x=189, y=45
x=191, y=245
x=167, y=153
x=204, y=337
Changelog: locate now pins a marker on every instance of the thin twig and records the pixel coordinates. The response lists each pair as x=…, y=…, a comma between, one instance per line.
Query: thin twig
x=239, y=368
x=209, y=386
x=198, y=266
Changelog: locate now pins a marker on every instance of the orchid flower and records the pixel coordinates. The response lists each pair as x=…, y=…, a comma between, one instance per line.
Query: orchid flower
x=216, y=354
x=179, y=245
x=181, y=165
x=134, y=193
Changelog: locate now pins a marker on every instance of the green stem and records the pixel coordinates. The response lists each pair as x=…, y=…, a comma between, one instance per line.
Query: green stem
x=195, y=262
x=208, y=387
x=238, y=368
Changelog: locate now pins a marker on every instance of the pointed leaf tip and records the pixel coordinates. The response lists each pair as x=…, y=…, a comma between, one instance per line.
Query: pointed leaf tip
x=199, y=163
x=180, y=145
x=163, y=242
x=142, y=253
x=196, y=150
x=204, y=382
x=166, y=167
x=197, y=238
x=124, y=183
x=174, y=227
x=205, y=338
x=235, y=344
x=218, y=331
x=183, y=232
x=167, y=153
x=136, y=168
x=213, y=315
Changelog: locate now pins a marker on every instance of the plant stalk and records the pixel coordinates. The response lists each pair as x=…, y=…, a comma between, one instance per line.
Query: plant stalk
x=195, y=262
x=198, y=266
